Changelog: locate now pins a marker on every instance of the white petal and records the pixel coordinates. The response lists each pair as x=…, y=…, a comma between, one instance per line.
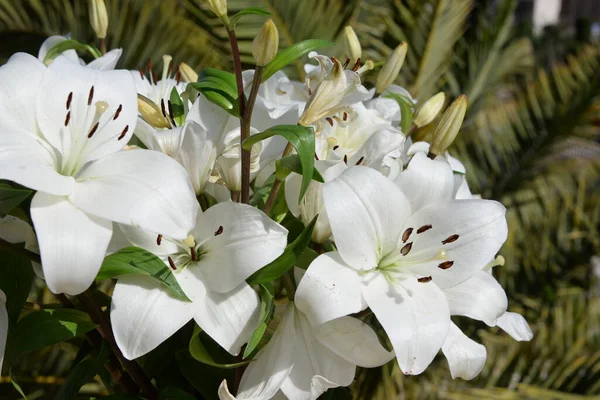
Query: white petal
x=3, y=326
x=143, y=314
x=197, y=155
x=263, y=377
x=149, y=240
x=169, y=140
x=480, y=297
x=72, y=243
x=20, y=80
x=481, y=226
x=365, y=210
x=249, y=241
x=466, y=358
x=330, y=289
x=414, y=315
x=142, y=188
x=14, y=230
x=146, y=133
x=52, y=41
x=212, y=118
x=377, y=147
x=426, y=181
x=354, y=341
x=223, y=391
x=516, y=326
x=108, y=61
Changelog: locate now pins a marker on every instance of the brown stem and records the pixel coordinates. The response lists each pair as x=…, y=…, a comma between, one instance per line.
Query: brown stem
x=235, y=196
x=276, y=185
x=103, y=46
x=246, y=120
x=21, y=251
x=237, y=67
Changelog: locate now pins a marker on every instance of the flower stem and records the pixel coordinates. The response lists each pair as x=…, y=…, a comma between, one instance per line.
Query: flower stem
x=290, y=288
x=276, y=185
x=103, y=46
x=246, y=120
x=21, y=251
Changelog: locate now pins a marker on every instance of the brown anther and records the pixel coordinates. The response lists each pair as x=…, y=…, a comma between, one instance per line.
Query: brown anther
x=162, y=107
x=336, y=147
x=346, y=63
x=406, y=248
x=406, y=235
x=118, y=112
x=446, y=264
x=141, y=72
x=450, y=239
x=178, y=76
x=91, y=96
x=346, y=159
x=122, y=135
x=360, y=160
x=219, y=231
x=309, y=91
x=170, y=107
x=356, y=65
x=316, y=157
x=158, y=240
x=172, y=264
x=155, y=77
x=193, y=253
x=149, y=67
x=334, y=59
x=68, y=118
x=345, y=116
x=424, y=228
x=330, y=121
x=424, y=279
x=69, y=99
x=94, y=129
x=170, y=69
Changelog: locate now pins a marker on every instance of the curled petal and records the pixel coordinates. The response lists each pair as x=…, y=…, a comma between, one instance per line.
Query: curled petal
x=516, y=326
x=466, y=358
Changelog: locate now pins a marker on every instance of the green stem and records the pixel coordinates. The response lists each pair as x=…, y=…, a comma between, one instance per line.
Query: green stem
x=246, y=120
x=276, y=185
x=290, y=288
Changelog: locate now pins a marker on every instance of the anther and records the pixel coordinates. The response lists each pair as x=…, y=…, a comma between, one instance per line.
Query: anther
x=69, y=99
x=162, y=107
x=406, y=235
x=141, y=72
x=346, y=63
x=424, y=279
x=178, y=76
x=172, y=264
x=360, y=160
x=118, y=112
x=170, y=107
x=122, y=135
x=155, y=76
x=406, y=248
x=446, y=264
x=424, y=228
x=219, y=231
x=335, y=147
x=158, y=240
x=346, y=159
x=149, y=67
x=356, y=65
x=345, y=116
x=91, y=96
x=450, y=239
x=67, y=118
x=316, y=157
x=193, y=253
x=330, y=121
x=94, y=129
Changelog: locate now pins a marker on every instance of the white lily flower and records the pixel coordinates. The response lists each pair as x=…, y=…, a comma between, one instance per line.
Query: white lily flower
x=3, y=326
x=302, y=361
x=62, y=131
x=106, y=62
x=398, y=262
x=388, y=108
x=229, y=243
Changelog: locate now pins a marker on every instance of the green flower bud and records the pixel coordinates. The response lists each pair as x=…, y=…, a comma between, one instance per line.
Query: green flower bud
x=265, y=44
x=351, y=45
x=187, y=73
x=219, y=7
x=391, y=68
x=446, y=130
x=430, y=109
x=98, y=17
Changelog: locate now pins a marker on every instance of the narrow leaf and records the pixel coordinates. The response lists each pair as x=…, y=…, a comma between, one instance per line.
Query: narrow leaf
x=406, y=110
x=17, y=277
x=286, y=165
x=71, y=44
x=246, y=11
x=82, y=373
x=220, y=88
x=177, y=107
x=267, y=306
x=292, y=53
x=200, y=353
x=11, y=196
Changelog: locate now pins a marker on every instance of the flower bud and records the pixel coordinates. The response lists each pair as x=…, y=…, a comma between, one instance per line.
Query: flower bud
x=391, y=68
x=187, y=73
x=326, y=97
x=98, y=18
x=265, y=44
x=151, y=113
x=430, y=109
x=351, y=45
x=446, y=130
x=219, y=7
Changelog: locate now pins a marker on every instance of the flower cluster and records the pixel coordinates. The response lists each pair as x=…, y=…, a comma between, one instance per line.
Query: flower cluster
x=121, y=159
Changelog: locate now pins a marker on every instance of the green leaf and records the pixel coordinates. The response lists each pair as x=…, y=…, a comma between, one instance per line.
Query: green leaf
x=303, y=140
x=11, y=196
x=82, y=373
x=42, y=328
x=17, y=277
x=134, y=260
x=16, y=385
x=246, y=11
x=406, y=110
x=286, y=165
x=306, y=258
x=204, y=378
x=70, y=44
x=200, y=353
x=173, y=393
x=177, y=107
x=287, y=260
x=267, y=306
x=220, y=88
x=292, y=53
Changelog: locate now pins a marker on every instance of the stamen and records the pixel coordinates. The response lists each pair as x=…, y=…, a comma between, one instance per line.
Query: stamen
x=441, y=255
x=446, y=264
x=406, y=234
x=356, y=65
x=155, y=78
x=193, y=253
x=171, y=114
x=172, y=264
x=219, y=231
x=91, y=96
x=118, y=112
x=406, y=248
x=69, y=99
x=316, y=157
x=68, y=118
x=360, y=160
x=425, y=279
x=346, y=63
x=346, y=159
x=122, y=135
x=330, y=121
x=345, y=117
x=336, y=147
x=141, y=72
x=149, y=68
x=158, y=240
x=190, y=241
x=178, y=76
x=94, y=129
x=450, y=239
x=166, y=63
x=424, y=228
x=162, y=107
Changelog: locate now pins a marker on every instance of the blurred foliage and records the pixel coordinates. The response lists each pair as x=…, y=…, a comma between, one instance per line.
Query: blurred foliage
x=531, y=140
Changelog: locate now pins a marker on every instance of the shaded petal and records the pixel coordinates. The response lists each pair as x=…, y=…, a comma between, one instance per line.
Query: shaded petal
x=14, y=230
x=365, y=210
x=354, y=341
x=143, y=188
x=414, y=315
x=72, y=243
x=466, y=358
x=143, y=314
x=108, y=61
x=249, y=241
x=377, y=147
x=197, y=155
x=480, y=297
x=149, y=240
x=330, y=289
x=3, y=326
x=516, y=326
x=212, y=118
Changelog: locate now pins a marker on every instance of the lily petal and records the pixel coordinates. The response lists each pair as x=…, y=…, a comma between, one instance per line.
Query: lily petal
x=414, y=315
x=14, y=230
x=516, y=326
x=466, y=358
x=143, y=314
x=142, y=188
x=365, y=210
x=72, y=243
x=108, y=61
x=149, y=240
x=197, y=155
x=330, y=289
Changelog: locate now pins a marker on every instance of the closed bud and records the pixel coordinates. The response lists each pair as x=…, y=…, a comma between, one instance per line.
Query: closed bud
x=429, y=110
x=265, y=44
x=446, y=130
x=219, y=7
x=98, y=17
x=151, y=113
x=187, y=73
x=391, y=68
x=351, y=45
